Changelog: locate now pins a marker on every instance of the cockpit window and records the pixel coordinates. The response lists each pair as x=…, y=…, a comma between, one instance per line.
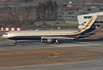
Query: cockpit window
x=5, y=34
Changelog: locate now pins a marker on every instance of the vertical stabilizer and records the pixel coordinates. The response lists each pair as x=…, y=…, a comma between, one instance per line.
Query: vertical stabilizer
x=89, y=23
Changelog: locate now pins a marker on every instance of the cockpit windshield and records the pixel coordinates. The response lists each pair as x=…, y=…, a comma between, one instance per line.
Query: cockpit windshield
x=5, y=34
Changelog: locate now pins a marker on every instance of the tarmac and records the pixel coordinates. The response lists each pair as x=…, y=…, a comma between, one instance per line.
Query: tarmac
x=89, y=44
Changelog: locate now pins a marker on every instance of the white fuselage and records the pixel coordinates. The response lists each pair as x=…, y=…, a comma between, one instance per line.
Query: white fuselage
x=38, y=33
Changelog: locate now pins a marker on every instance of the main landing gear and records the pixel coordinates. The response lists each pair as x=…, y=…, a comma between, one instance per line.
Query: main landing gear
x=56, y=41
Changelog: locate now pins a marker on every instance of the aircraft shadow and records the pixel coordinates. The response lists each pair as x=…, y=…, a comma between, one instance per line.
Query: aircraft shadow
x=89, y=40
x=63, y=41
x=31, y=42
x=82, y=40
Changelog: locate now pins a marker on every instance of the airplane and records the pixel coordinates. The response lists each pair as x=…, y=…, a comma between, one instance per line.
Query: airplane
x=55, y=36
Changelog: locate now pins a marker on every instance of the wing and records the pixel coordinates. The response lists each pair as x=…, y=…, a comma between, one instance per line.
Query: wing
x=55, y=40
x=59, y=38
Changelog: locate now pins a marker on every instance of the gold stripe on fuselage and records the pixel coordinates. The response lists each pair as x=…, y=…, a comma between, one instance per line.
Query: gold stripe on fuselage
x=88, y=23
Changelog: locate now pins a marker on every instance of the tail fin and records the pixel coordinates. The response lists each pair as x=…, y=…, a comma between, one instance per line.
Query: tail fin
x=89, y=26
x=89, y=23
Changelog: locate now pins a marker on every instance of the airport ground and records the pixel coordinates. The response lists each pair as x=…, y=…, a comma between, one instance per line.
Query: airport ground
x=72, y=55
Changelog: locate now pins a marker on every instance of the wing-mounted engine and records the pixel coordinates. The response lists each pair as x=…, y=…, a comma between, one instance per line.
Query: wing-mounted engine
x=55, y=40
x=46, y=40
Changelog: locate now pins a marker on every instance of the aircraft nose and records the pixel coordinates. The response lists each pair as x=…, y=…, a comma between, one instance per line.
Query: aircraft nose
x=4, y=36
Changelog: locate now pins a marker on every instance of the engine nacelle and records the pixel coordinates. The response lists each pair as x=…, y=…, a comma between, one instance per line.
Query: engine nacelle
x=43, y=40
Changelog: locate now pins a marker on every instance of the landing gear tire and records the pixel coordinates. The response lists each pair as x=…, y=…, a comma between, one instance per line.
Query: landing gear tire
x=15, y=42
x=56, y=42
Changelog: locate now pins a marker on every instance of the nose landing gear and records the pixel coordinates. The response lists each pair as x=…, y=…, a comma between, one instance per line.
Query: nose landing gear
x=16, y=42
